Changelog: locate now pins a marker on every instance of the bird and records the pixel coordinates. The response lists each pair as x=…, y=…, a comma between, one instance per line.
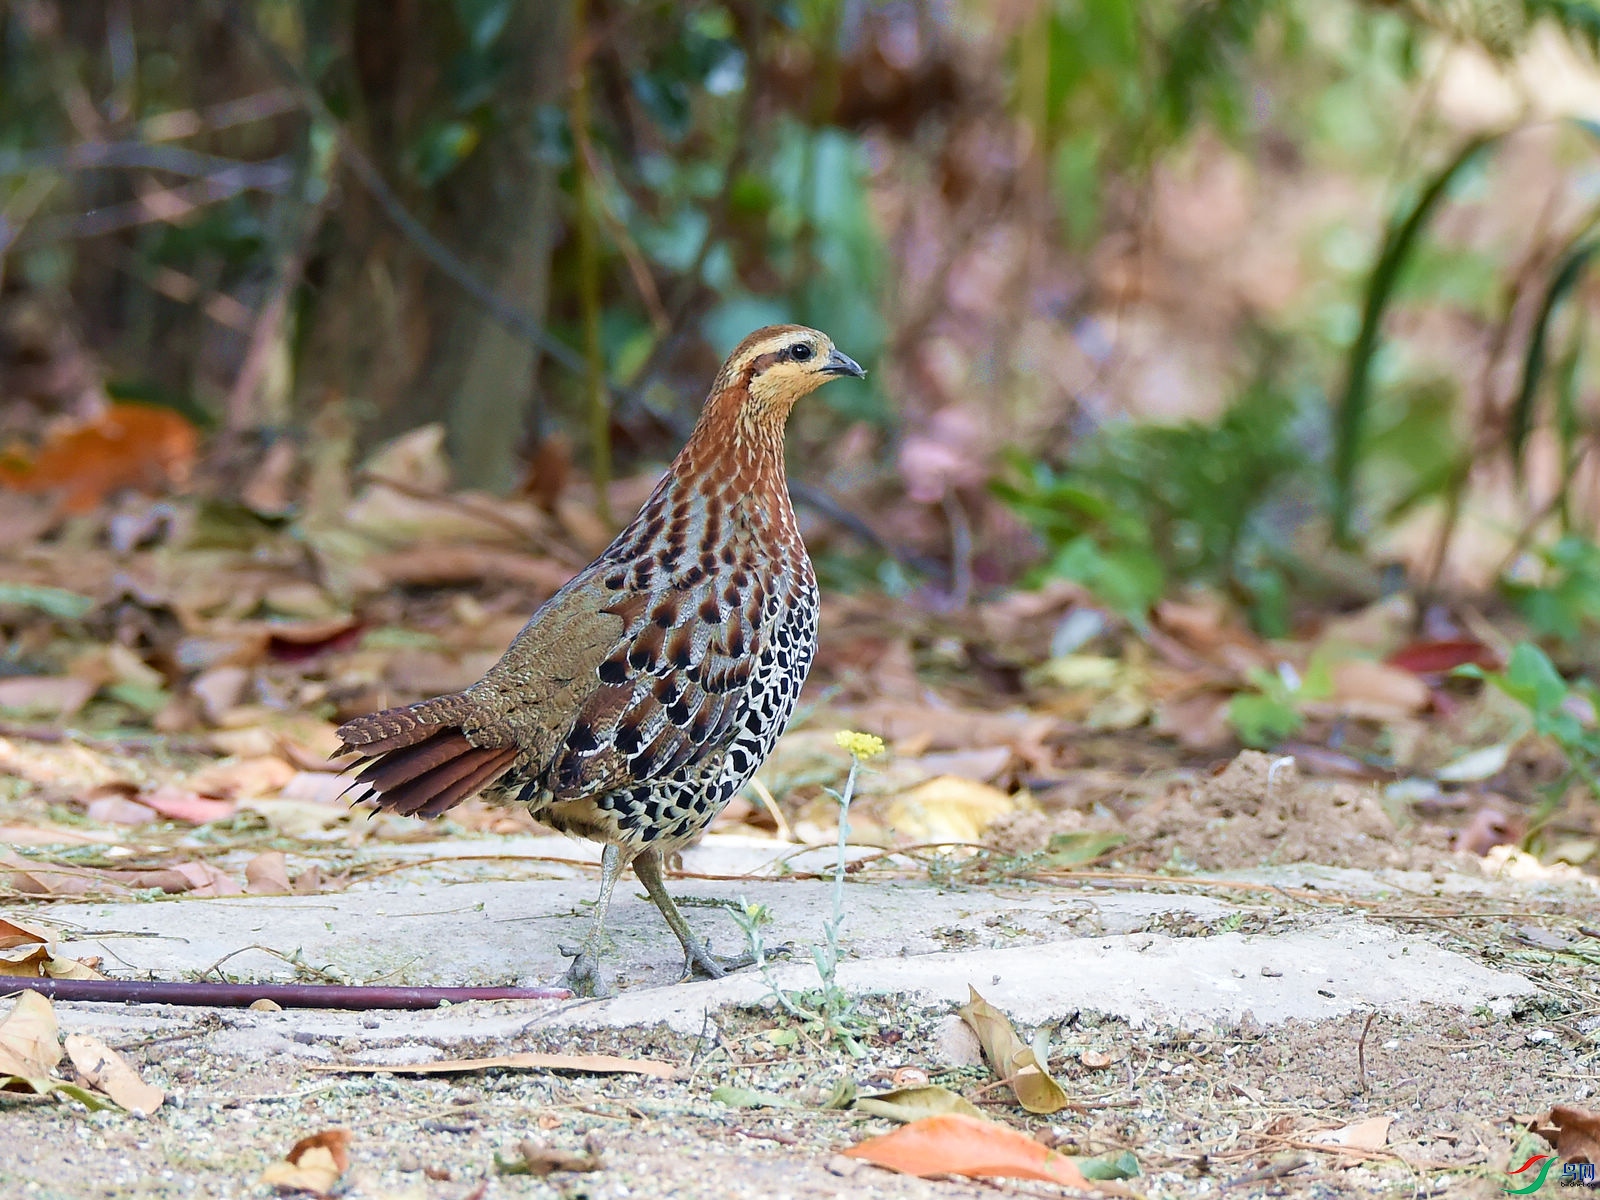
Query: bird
x=642, y=696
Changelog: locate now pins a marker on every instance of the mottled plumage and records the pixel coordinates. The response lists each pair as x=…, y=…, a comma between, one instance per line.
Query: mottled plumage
x=639, y=699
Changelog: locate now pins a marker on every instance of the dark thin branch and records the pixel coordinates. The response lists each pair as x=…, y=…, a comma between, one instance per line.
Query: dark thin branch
x=269, y=174
x=286, y=995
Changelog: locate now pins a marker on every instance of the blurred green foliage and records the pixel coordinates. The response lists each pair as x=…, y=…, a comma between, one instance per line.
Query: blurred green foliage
x=1137, y=509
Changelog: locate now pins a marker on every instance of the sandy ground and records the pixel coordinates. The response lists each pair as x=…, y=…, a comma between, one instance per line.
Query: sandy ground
x=1215, y=1024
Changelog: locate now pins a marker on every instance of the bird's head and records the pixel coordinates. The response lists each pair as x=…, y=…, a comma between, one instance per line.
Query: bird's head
x=774, y=367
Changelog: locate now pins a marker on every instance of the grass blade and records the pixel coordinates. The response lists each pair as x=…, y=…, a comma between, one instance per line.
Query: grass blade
x=1351, y=416
x=1566, y=277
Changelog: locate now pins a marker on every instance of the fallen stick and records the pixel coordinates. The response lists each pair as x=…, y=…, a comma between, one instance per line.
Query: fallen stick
x=285, y=995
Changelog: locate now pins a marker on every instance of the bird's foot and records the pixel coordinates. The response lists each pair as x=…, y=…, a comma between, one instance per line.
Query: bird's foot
x=698, y=961
x=583, y=976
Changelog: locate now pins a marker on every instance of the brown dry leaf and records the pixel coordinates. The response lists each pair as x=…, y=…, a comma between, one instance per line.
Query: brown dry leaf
x=589, y=1064
x=539, y=1160
x=267, y=874
x=37, y=962
x=948, y=809
x=955, y=1144
x=262, y=775
x=440, y=565
x=1573, y=1131
x=913, y=1103
x=29, y=1038
x=180, y=804
x=15, y=933
x=46, y=695
x=313, y=1164
x=1362, y=688
x=1010, y=1058
x=1370, y=1134
x=107, y=1070
x=944, y=728
x=44, y=834
x=117, y=809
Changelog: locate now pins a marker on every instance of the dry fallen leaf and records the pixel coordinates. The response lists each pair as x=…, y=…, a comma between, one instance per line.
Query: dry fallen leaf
x=313, y=1164
x=913, y=1103
x=1010, y=1058
x=1573, y=1131
x=948, y=808
x=537, y=1159
x=36, y=961
x=593, y=1064
x=1370, y=1134
x=107, y=1070
x=267, y=874
x=29, y=1044
x=955, y=1144
x=15, y=933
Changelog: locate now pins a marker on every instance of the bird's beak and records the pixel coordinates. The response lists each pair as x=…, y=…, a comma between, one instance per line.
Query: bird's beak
x=842, y=364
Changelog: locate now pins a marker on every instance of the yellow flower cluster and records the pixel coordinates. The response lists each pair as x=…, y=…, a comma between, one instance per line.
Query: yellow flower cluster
x=862, y=745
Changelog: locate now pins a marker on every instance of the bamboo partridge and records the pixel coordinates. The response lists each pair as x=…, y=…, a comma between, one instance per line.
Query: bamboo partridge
x=641, y=696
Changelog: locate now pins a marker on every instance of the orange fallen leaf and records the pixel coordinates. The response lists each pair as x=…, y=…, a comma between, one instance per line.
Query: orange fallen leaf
x=127, y=445
x=953, y=1144
x=594, y=1064
x=313, y=1164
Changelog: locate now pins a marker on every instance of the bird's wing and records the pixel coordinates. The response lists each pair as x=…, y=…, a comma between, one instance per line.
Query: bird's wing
x=671, y=687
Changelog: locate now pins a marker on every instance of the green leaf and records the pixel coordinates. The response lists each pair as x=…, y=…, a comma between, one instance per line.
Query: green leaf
x=737, y=1097
x=54, y=602
x=1122, y=1165
x=1262, y=720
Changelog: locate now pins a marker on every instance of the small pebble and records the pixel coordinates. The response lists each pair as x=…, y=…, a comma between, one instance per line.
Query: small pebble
x=265, y=1005
x=408, y=1161
x=844, y=1167
x=1095, y=1060
x=304, y=1038
x=369, y=1023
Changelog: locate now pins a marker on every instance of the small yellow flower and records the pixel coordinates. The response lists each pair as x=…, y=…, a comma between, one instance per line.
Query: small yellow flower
x=862, y=745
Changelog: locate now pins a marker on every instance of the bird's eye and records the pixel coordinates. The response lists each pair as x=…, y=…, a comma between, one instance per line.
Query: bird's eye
x=800, y=353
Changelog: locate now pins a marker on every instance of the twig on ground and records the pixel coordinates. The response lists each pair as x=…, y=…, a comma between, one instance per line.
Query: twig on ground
x=1275, y=1170
x=287, y=995
x=1361, y=1053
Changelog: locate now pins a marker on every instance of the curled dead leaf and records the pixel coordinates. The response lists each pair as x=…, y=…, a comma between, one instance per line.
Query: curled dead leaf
x=1573, y=1131
x=313, y=1164
x=1010, y=1058
x=29, y=1038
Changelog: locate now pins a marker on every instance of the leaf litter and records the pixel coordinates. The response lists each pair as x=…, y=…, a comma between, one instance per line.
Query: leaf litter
x=168, y=733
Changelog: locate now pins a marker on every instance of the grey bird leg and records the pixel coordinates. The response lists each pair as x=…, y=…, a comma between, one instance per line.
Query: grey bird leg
x=583, y=976
x=695, y=955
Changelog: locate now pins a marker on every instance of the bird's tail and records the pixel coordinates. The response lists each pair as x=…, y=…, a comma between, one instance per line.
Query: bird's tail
x=418, y=760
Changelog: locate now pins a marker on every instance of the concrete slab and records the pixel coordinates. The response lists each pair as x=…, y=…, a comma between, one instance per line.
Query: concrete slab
x=493, y=912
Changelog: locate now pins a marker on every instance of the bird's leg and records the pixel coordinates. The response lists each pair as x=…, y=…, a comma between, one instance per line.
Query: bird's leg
x=695, y=955
x=583, y=976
